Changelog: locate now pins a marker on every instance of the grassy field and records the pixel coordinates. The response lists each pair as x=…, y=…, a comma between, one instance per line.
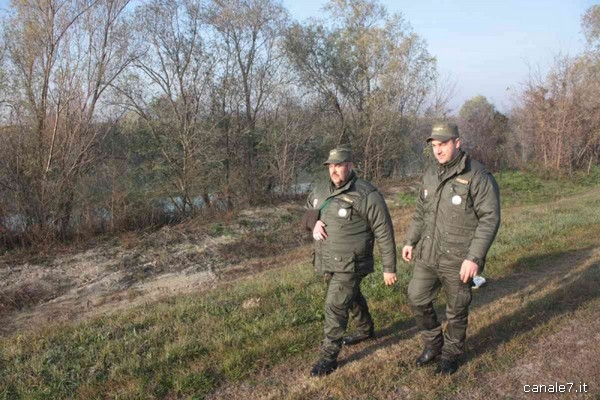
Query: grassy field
x=258, y=336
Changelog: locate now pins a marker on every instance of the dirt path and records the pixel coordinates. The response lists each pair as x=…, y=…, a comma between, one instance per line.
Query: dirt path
x=564, y=294
x=568, y=357
x=544, y=320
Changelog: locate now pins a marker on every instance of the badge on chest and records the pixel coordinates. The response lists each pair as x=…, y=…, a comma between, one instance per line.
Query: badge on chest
x=344, y=209
x=459, y=188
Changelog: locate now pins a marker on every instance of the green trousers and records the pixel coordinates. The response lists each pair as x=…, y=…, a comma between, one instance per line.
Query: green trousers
x=422, y=291
x=343, y=300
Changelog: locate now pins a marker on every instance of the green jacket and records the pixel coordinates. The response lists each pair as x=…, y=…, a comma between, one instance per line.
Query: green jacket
x=457, y=214
x=355, y=217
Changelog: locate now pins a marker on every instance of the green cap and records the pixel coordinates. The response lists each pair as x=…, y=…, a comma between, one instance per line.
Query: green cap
x=443, y=132
x=339, y=155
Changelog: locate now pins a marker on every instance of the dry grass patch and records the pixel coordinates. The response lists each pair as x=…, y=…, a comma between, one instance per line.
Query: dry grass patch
x=522, y=329
x=258, y=337
x=514, y=313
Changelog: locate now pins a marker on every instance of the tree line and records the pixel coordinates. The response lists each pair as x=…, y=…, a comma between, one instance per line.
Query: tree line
x=117, y=114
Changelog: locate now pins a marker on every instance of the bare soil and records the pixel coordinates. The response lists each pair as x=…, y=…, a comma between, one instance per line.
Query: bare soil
x=82, y=281
x=69, y=284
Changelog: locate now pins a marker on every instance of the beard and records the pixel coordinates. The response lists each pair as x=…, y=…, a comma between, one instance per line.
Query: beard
x=336, y=179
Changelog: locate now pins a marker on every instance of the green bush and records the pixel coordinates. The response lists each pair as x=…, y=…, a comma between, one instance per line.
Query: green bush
x=518, y=181
x=406, y=199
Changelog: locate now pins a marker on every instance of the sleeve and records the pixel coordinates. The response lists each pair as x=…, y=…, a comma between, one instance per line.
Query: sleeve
x=416, y=226
x=379, y=219
x=309, y=201
x=486, y=203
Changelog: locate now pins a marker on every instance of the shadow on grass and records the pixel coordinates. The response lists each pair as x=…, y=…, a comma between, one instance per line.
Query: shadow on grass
x=533, y=273
x=576, y=290
x=400, y=330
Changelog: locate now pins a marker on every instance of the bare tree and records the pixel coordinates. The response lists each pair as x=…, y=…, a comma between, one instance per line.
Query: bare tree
x=63, y=56
x=247, y=39
x=373, y=70
x=559, y=117
x=286, y=141
x=444, y=89
x=168, y=87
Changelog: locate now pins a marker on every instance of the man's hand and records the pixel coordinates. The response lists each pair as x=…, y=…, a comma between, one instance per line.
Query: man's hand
x=407, y=253
x=468, y=270
x=389, y=278
x=319, y=231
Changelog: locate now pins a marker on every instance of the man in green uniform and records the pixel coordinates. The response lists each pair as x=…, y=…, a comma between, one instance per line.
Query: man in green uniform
x=349, y=216
x=455, y=222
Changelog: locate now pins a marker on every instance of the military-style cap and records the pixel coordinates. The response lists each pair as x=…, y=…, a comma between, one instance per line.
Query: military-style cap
x=443, y=132
x=339, y=155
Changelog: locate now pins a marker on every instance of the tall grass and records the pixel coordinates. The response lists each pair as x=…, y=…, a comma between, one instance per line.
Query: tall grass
x=189, y=346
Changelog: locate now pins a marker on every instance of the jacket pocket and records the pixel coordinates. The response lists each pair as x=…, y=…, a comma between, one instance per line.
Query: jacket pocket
x=460, y=196
x=343, y=263
x=458, y=239
x=423, y=248
x=453, y=254
x=463, y=297
x=344, y=211
x=418, y=250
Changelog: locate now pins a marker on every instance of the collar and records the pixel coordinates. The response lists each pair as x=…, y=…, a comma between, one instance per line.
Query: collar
x=454, y=166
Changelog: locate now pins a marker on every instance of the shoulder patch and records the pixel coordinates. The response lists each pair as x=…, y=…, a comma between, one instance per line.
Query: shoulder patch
x=347, y=199
x=463, y=181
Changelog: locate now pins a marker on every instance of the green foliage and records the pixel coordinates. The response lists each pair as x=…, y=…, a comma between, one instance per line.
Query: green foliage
x=362, y=57
x=477, y=107
x=406, y=199
x=528, y=187
x=518, y=181
x=484, y=133
x=589, y=179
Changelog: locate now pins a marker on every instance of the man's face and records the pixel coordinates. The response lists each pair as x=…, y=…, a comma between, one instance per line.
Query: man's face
x=445, y=151
x=339, y=172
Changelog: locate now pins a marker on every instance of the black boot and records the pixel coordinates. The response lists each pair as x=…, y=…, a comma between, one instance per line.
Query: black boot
x=447, y=366
x=324, y=367
x=427, y=356
x=359, y=337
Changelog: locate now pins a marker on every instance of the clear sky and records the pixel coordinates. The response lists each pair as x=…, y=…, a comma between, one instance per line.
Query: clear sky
x=487, y=47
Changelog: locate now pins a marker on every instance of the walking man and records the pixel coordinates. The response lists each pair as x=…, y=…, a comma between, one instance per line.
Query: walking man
x=347, y=215
x=455, y=222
